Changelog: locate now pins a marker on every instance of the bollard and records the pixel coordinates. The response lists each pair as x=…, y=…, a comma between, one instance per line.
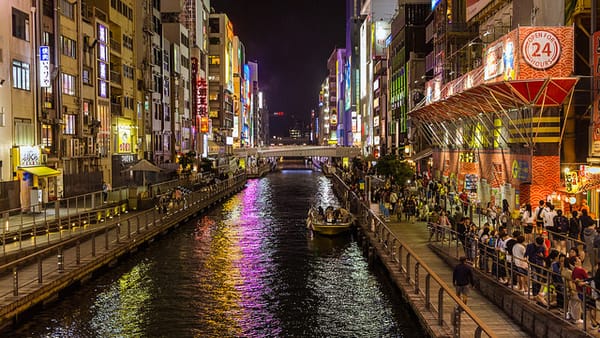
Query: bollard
x=60, y=258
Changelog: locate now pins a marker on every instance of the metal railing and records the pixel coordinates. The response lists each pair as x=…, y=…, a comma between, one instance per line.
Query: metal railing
x=416, y=272
x=89, y=246
x=497, y=263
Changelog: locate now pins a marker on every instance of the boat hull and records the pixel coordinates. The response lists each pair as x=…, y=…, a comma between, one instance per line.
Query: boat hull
x=328, y=228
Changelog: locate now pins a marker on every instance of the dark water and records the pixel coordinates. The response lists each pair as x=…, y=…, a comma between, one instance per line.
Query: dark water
x=247, y=269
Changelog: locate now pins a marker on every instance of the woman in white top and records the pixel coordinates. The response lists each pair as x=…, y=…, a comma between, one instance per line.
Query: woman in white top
x=527, y=222
x=520, y=263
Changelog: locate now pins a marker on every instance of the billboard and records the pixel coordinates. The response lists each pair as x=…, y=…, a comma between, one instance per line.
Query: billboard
x=530, y=53
x=381, y=31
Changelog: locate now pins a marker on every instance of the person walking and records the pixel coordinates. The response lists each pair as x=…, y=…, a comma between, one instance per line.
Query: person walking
x=462, y=277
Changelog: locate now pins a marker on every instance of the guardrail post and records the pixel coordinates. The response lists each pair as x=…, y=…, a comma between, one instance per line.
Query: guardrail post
x=106, y=239
x=417, y=277
x=39, y=268
x=78, y=252
x=128, y=228
x=94, y=244
x=60, y=259
x=408, y=267
x=427, y=291
x=15, y=281
x=456, y=321
x=441, y=306
x=118, y=232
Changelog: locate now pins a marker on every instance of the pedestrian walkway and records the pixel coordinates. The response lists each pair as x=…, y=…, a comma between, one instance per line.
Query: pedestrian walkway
x=416, y=235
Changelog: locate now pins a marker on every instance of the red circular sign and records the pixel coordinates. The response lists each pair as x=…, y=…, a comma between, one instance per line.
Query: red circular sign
x=541, y=49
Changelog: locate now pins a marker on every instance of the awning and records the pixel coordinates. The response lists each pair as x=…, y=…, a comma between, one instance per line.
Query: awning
x=41, y=171
x=498, y=96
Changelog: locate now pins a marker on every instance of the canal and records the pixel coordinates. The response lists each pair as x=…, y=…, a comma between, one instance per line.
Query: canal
x=249, y=268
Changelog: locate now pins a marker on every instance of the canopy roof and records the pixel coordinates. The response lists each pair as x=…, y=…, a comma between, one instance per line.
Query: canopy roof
x=41, y=171
x=498, y=96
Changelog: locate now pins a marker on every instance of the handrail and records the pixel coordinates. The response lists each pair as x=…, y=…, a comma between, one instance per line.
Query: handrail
x=421, y=263
x=535, y=273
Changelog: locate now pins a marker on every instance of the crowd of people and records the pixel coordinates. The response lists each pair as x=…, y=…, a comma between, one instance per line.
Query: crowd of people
x=542, y=252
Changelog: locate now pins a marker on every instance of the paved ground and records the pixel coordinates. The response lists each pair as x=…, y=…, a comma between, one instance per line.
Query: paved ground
x=416, y=236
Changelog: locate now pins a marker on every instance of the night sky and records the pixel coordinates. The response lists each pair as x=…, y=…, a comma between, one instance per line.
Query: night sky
x=291, y=41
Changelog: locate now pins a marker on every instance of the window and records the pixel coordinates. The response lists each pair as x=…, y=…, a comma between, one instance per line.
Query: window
x=213, y=25
x=157, y=56
x=127, y=42
x=87, y=76
x=68, y=84
x=46, y=136
x=167, y=112
x=24, y=135
x=214, y=41
x=85, y=109
x=20, y=71
x=66, y=8
x=20, y=24
x=157, y=84
x=70, y=123
x=214, y=59
x=68, y=46
x=166, y=61
x=48, y=97
x=128, y=72
x=166, y=86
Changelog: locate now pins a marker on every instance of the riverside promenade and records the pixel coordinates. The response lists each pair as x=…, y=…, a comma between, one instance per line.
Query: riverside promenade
x=422, y=270
x=416, y=236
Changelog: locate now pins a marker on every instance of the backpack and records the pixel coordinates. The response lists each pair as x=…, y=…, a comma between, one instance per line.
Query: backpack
x=503, y=218
x=561, y=223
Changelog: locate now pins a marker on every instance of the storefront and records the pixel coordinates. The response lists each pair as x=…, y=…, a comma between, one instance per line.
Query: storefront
x=496, y=130
x=39, y=184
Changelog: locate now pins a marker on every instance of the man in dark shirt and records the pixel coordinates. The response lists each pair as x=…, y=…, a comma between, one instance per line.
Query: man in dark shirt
x=462, y=277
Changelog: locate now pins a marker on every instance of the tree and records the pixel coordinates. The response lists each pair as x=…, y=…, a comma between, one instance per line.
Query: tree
x=399, y=170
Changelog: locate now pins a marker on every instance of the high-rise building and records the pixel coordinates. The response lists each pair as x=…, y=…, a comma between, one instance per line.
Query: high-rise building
x=220, y=81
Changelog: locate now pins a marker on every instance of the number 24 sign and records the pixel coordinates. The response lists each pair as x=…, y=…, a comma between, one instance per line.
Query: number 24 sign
x=541, y=49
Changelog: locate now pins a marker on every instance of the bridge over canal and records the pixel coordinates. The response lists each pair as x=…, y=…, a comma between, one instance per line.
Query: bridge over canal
x=298, y=151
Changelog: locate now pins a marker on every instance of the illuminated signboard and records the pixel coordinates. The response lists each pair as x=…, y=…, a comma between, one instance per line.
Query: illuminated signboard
x=201, y=94
x=124, y=139
x=204, y=124
x=103, y=61
x=29, y=156
x=44, y=66
x=434, y=4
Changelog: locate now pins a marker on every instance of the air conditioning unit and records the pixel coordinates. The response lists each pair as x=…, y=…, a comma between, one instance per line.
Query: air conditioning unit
x=90, y=146
x=75, y=147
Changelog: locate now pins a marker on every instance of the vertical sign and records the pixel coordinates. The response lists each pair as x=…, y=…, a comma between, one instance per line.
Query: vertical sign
x=44, y=66
x=596, y=93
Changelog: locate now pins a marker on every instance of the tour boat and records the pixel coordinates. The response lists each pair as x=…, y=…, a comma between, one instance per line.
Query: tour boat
x=329, y=221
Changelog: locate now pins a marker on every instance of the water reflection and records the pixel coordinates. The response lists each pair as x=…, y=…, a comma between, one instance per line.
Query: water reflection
x=248, y=269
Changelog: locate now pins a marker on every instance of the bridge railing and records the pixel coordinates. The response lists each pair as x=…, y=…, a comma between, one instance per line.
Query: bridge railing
x=425, y=283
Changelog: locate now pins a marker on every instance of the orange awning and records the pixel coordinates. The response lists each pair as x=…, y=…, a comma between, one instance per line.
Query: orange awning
x=498, y=96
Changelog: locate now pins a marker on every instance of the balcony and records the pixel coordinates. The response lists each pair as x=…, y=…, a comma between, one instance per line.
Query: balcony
x=116, y=109
x=115, y=78
x=115, y=46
